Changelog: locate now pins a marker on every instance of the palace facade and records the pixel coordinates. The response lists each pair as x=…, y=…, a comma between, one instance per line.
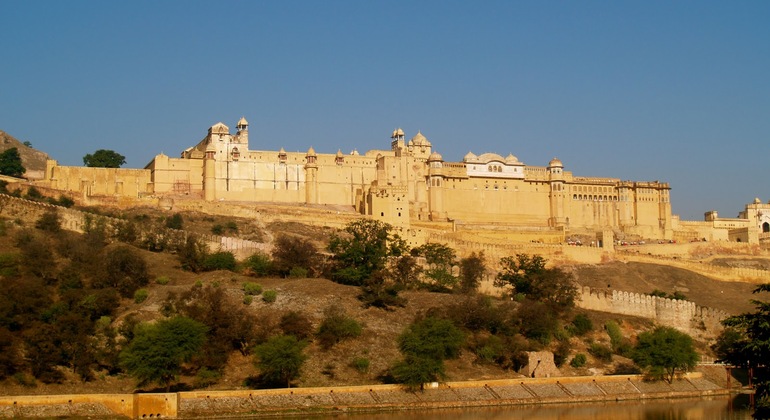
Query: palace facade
x=411, y=182
x=407, y=183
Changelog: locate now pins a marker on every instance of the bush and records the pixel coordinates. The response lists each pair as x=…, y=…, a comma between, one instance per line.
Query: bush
x=248, y=299
x=34, y=194
x=251, y=288
x=578, y=361
x=626, y=368
x=581, y=325
x=206, y=377
x=65, y=201
x=49, y=222
x=223, y=260
x=217, y=229
x=140, y=295
x=162, y=280
x=231, y=226
x=601, y=352
x=259, y=265
x=175, y=222
x=269, y=296
x=298, y=273
x=360, y=364
x=296, y=324
x=335, y=327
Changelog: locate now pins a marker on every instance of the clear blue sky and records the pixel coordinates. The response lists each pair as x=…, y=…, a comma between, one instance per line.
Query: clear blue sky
x=676, y=91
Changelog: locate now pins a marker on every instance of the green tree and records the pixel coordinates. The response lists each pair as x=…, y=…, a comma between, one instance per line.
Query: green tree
x=49, y=222
x=192, y=254
x=336, y=326
x=10, y=163
x=157, y=351
x=280, y=359
x=124, y=269
x=440, y=259
x=258, y=264
x=751, y=347
x=664, y=351
x=230, y=325
x=222, y=260
x=104, y=159
x=528, y=276
x=292, y=251
x=361, y=251
x=425, y=344
x=471, y=271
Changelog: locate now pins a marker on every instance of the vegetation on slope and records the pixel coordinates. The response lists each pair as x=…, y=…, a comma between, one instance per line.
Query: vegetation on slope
x=75, y=310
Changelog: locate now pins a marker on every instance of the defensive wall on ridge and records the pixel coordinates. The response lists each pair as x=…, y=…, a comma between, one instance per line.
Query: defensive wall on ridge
x=683, y=315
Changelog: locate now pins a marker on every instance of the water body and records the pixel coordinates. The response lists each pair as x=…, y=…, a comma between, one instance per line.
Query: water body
x=718, y=408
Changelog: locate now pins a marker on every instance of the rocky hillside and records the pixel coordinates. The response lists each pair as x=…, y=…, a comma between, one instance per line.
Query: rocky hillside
x=33, y=160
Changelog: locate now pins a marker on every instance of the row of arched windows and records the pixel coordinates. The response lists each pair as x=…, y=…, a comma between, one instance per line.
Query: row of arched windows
x=594, y=197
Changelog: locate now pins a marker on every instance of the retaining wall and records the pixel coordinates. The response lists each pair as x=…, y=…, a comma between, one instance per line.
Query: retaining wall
x=210, y=404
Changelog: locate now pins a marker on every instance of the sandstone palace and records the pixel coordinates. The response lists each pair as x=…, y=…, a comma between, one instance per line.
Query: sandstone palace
x=407, y=184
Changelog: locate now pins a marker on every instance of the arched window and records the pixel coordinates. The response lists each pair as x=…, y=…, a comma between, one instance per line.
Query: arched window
x=766, y=227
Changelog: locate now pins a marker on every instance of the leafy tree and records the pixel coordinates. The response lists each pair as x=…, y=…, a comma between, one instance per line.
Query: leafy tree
x=124, y=269
x=222, y=260
x=230, y=326
x=11, y=360
x=471, y=272
x=362, y=251
x=193, y=254
x=379, y=293
x=414, y=371
x=405, y=270
x=528, y=276
x=49, y=222
x=296, y=324
x=292, y=251
x=751, y=347
x=537, y=321
x=258, y=265
x=336, y=326
x=10, y=163
x=437, y=255
x=280, y=359
x=664, y=351
x=36, y=256
x=581, y=325
x=104, y=159
x=157, y=351
x=440, y=259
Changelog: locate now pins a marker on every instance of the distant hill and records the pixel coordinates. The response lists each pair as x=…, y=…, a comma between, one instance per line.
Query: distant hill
x=33, y=160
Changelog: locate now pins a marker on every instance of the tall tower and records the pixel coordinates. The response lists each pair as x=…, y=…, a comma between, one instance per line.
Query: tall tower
x=209, y=176
x=556, y=177
x=242, y=135
x=311, y=177
x=435, y=186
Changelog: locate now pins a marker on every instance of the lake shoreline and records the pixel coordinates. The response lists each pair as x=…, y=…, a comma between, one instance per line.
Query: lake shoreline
x=363, y=399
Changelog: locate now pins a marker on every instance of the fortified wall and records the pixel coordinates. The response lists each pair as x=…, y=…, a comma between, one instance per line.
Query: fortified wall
x=683, y=315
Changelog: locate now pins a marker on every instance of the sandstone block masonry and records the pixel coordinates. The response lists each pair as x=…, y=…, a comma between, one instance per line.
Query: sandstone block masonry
x=683, y=315
x=270, y=402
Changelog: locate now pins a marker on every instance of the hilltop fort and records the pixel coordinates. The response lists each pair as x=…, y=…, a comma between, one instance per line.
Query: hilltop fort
x=410, y=184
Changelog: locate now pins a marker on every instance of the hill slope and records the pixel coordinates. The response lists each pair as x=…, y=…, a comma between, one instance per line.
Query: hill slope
x=33, y=160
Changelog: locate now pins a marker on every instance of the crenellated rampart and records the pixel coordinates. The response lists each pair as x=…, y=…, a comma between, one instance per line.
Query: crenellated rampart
x=683, y=315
